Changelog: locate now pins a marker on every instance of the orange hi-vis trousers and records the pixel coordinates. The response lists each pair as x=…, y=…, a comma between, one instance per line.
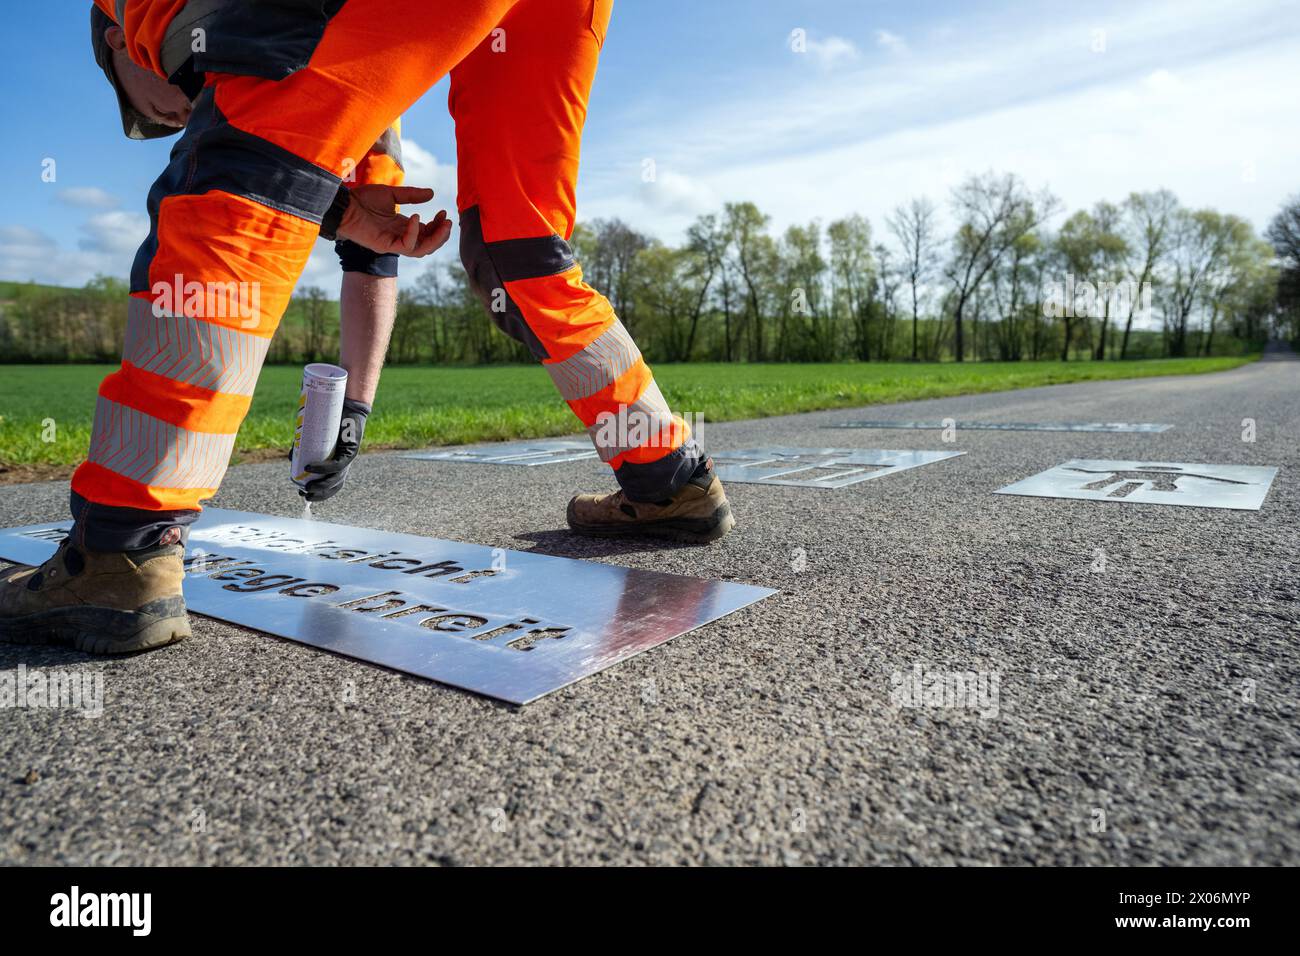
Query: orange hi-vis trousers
x=236, y=213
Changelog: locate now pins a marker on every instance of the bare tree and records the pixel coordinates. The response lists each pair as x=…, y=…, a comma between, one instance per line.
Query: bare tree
x=1091, y=252
x=802, y=283
x=1230, y=283
x=755, y=255
x=915, y=227
x=1284, y=235
x=610, y=263
x=852, y=271
x=1148, y=218
x=1108, y=270
x=1019, y=263
x=884, y=294
x=707, y=247
x=992, y=212
x=1202, y=240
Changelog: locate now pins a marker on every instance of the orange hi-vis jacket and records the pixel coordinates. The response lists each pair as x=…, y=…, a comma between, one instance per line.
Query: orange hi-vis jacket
x=234, y=216
x=162, y=34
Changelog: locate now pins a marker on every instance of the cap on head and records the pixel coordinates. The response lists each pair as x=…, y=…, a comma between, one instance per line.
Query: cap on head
x=134, y=123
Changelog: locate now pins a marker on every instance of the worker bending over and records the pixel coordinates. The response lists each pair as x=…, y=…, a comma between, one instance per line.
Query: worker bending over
x=291, y=94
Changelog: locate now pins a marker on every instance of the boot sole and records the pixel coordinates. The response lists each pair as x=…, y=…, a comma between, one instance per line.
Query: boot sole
x=101, y=630
x=690, y=530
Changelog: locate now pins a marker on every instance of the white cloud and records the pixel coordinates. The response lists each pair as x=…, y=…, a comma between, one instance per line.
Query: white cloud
x=29, y=254
x=24, y=249
x=1162, y=82
x=109, y=239
x=117, y=233
x=890, y=41
x=88, y=197
x=1193, y=98
x=832, y=51
x=674, y=193
x=423, y=169
x=322, y=269
x=17, y=238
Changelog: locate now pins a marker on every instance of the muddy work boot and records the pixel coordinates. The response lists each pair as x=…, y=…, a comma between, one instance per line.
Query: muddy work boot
x=100, y=602
x=699, y=512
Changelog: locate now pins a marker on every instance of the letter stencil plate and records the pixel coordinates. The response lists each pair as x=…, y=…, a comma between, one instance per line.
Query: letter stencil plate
x=507, y=624
x=819, y=467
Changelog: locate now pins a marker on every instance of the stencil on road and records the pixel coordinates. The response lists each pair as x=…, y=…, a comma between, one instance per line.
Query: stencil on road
x=1241, y=487
x=544, y=452
x=1017, y=426
x=819, y=467
x=509, y=624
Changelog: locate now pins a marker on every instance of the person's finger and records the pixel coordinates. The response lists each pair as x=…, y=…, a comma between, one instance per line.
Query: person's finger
x=433, y=236
x=442, y=233
x=426, y=243
x=411, y=194
x=412, y=237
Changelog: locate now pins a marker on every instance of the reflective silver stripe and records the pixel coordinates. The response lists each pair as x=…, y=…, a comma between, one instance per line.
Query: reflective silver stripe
x=390, y=144
x=598, y=365
x=154, y=452
x=632, y=426
x=192, y=351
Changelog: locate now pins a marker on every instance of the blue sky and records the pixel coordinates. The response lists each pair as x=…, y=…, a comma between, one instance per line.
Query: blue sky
x=888, y=100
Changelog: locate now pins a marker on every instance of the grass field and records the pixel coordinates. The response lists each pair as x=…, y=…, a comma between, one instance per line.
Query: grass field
x=420, y=406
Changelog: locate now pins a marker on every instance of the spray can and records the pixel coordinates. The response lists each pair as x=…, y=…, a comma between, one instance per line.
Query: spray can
x=320, y=411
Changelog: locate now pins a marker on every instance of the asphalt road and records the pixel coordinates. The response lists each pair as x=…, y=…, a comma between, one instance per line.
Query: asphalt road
x=1145, y=713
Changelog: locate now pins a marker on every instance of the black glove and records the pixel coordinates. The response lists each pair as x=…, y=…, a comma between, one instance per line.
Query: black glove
x=334, y=471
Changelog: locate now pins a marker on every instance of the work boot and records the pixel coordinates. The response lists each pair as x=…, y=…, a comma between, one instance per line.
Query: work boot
x=100, y=602
x=699, y=512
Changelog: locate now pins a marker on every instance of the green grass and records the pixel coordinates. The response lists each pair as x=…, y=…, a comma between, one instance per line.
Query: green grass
x=419, y=406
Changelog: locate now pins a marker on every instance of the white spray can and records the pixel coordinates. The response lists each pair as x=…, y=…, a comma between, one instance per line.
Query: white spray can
x=320, y=411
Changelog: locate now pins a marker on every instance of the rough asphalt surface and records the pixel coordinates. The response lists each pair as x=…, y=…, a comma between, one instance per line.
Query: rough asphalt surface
x=1145, y=714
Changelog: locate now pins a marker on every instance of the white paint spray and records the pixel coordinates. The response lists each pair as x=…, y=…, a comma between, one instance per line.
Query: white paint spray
x=316, y=428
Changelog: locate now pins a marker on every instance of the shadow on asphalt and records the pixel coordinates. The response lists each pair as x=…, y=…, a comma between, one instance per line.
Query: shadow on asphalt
x=565, y=544
x=41, y=655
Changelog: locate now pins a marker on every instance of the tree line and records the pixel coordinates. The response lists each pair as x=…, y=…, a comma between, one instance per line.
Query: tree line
x=1143, y=277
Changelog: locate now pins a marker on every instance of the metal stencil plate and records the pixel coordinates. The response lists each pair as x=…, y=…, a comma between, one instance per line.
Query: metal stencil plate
x=542, y=452
x=818, y=467
x=1019, y=426
x=509, y=624
x=1242, y=487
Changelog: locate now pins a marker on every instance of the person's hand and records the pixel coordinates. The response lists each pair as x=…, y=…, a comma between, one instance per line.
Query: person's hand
x=334, y=471
x=372, y=220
